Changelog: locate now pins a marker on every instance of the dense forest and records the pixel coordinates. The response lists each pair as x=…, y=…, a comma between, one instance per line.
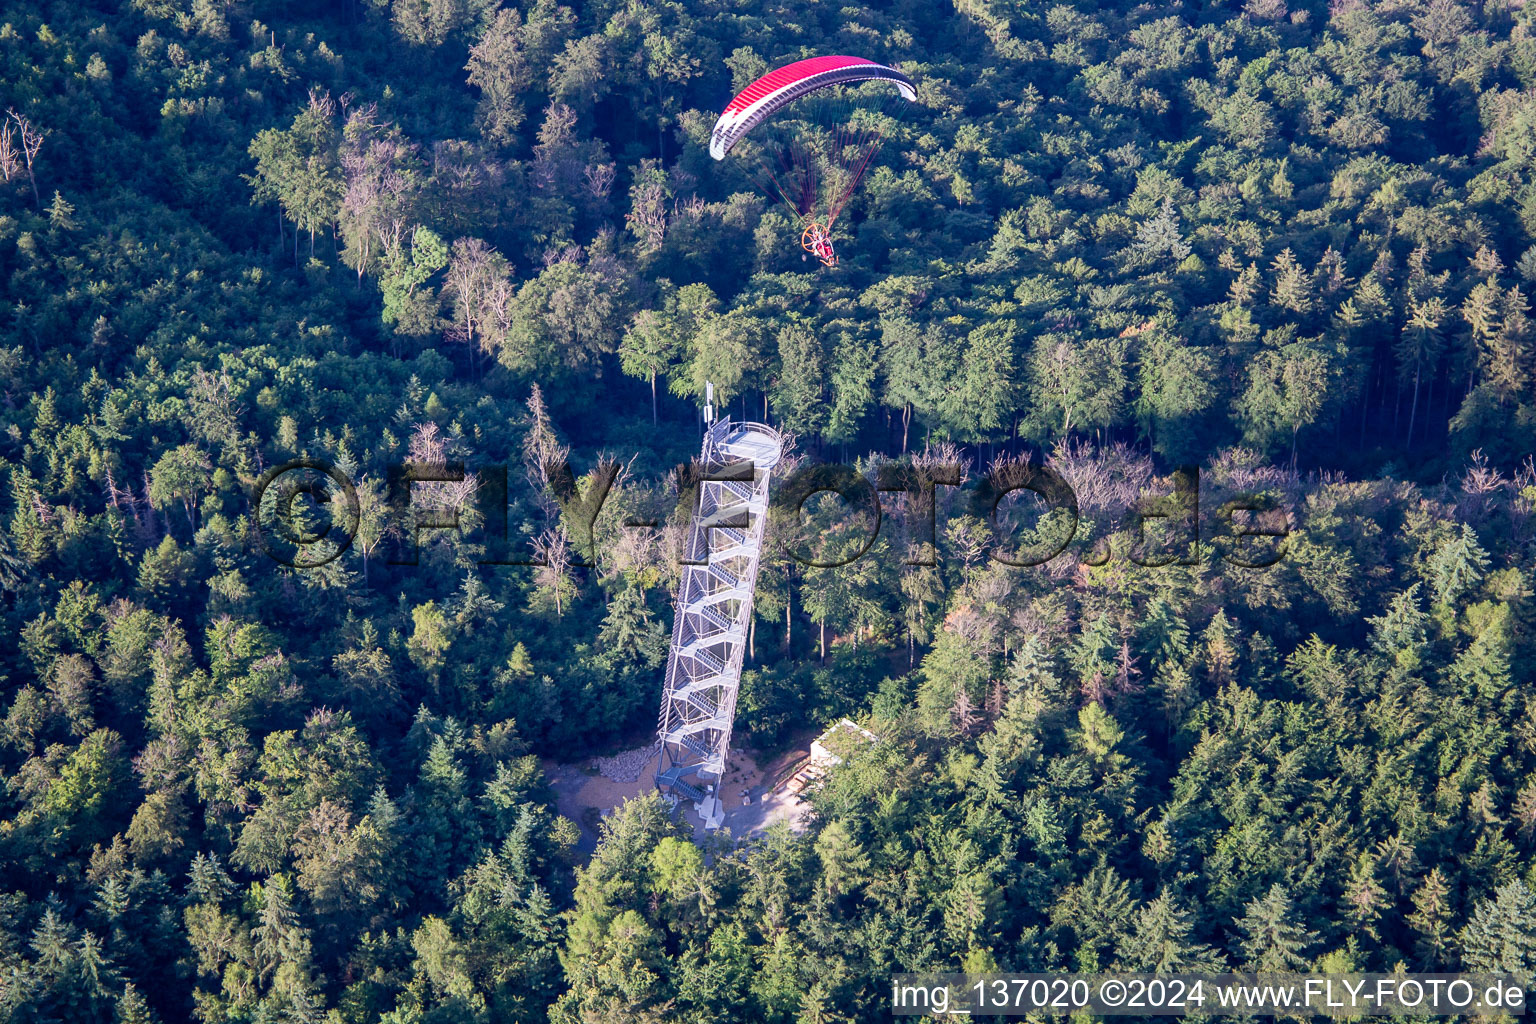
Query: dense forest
x=1289, y=243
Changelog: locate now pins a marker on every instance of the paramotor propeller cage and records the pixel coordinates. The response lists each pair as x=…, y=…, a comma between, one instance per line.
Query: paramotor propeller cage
x=817, y=240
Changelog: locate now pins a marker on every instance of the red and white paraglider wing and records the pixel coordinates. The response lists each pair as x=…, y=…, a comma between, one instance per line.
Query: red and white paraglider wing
x=778, y=88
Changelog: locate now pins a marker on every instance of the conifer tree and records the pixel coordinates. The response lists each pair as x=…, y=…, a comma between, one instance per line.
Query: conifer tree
x=1364, y=896
x=1272, y=939
x=1457, y=567
x=1291, y=290
x=1430, y=920
x=1163, y=941
x=1500, y=937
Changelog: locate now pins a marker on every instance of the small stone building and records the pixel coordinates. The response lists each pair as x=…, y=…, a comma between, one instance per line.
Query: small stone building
x=839, y=743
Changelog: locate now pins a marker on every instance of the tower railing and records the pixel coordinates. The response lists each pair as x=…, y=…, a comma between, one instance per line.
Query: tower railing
x=714, y=613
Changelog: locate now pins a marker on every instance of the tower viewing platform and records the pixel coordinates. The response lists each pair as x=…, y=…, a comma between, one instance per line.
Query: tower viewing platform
x=714, y=612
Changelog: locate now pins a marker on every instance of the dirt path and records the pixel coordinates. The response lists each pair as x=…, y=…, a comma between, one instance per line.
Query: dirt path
x=583, y=795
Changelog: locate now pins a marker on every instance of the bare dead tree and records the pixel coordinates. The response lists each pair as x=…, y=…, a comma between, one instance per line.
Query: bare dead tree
x=553, y=552
x=994, y=701
x=496, y=316
x=934, y=459
x=641, y=550
x=377, y=197
x=600, y=179
x=359, y=205
x=144, y=503
x=978, y=630
x=681, y=180
x=963, y=712
x=42, y=509
x=320, y=102
x=31, y=141
x=649, y=213
x=557, y=254
x=1105, y=479
x=1126, y=671
x=469, y=272
x=1480, y=487
x=10, y=159
x=124, y=500
x=429, y=447
x=542, y=450
x=215, y=411
x=112, y=492
x=459, y=166
x=1096, y=688
x=392, y=235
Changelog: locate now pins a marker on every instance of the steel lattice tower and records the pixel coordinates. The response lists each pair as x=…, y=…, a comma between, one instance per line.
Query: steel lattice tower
x=714, y=612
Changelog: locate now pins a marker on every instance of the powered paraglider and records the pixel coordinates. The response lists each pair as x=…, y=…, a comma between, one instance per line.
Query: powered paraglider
x=814, y=126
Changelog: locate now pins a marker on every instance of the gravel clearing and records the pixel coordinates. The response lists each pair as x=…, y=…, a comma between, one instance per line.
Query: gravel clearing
x=627, y=766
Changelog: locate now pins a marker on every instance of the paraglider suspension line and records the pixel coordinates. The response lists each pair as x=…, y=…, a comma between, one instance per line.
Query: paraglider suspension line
x=797, y=182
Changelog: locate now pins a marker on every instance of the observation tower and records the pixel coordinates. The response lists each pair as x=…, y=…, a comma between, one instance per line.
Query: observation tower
x=714, y=611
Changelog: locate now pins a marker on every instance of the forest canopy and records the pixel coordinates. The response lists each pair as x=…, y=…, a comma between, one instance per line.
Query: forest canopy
x=1290, y=243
